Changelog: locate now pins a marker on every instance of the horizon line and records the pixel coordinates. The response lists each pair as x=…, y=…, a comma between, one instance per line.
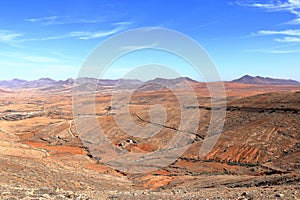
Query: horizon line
x=187, y=77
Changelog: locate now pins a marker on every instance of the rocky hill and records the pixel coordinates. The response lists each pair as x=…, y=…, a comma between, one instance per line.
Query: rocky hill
x=256, y=157
x=265, y=80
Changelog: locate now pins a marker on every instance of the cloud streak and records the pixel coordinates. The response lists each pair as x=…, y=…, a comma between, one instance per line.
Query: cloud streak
x=273, y=51
x=139, y=47
x=288, y=39
x=80, y=35
x=292, y=6
x=9, y=37
x=60, y=20
x=93, y=35
x=290, y=32
x=83, y=35
x=290, y=35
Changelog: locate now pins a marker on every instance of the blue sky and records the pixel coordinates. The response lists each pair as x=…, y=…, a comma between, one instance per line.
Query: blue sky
x=53, y=38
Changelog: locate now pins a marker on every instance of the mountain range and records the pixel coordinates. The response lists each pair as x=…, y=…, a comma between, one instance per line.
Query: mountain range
x=265, y=80
x=47, y=82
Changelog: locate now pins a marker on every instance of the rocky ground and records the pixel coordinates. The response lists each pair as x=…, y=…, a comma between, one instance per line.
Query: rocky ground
x=266, y=192
x=256, y=157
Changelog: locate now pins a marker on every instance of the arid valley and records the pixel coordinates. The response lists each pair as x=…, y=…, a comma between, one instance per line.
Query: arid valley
x=158, y=100
x=256, y=157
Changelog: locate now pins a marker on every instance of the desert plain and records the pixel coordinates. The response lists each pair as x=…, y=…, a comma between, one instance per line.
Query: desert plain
x=257, y=155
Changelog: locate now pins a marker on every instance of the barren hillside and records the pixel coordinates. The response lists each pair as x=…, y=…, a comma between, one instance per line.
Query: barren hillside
x=42, y=154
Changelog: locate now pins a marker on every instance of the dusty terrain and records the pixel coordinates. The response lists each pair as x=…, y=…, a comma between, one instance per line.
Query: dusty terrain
x=256, y=157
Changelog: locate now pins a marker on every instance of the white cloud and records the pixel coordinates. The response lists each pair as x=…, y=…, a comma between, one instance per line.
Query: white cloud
x=294, y=21
x=288, y=39
x=44, y=38
x=139, y=47
x=290, y=35
x=41, y=19
x=92, y=35
x=273, y=51
x=289, y=32
x=15, y=39
x=83, y=35
x=86, y=35
x=57, y=20
x=8, y=36
x=122, y=23
x=291, y=6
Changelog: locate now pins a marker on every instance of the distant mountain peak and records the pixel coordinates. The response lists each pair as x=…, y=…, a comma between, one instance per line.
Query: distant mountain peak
x=171, y=80
x=46, y=79
x=247, y=79
x=17, y=79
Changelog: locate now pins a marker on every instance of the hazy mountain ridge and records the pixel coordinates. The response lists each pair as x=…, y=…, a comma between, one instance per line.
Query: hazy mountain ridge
x=42, y=82
x=265, y=80
x=49, y=83
x=258, y=148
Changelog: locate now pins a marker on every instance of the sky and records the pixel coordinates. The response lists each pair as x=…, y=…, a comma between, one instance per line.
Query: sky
x=54, y=38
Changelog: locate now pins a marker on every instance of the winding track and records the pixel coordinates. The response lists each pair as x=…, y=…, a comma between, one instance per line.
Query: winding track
x=69, y=129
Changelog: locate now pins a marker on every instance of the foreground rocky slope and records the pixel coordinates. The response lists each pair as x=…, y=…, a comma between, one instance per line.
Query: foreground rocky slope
x=43, y=157
x=268, y=192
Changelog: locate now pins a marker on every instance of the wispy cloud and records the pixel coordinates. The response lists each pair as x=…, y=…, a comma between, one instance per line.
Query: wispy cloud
x=292, y=6
x=122, y=23
x=294, y=21
x=57, y=37
x=28, y=58
x=290, y=32
x=288, y=39
x=86, y=35
x=15, y=39
x=42, y=19
x=287, y=48
x=273, y=51
x=83, y=35
x=9, y=37
x=59, y=20
x=139, y=47
x=273, y=5
x=290, y=35
x=92, y=35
